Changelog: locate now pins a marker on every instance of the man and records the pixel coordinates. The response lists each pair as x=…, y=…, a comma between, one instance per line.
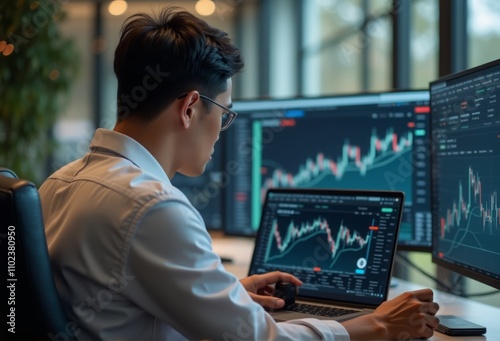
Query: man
x=132, y=257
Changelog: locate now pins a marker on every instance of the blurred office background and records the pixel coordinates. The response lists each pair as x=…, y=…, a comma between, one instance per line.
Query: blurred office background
x=292, y=48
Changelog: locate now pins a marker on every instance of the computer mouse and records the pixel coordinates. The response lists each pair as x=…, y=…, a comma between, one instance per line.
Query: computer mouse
x=286, y=291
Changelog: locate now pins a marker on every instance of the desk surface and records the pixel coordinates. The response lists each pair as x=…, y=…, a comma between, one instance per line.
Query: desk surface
x=239, y=250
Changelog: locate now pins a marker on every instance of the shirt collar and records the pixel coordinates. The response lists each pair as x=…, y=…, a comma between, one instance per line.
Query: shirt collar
x=127, y=147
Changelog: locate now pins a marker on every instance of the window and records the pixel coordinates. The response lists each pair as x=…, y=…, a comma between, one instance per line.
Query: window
x=424, y=43
x=346, y=46
x=483, y=31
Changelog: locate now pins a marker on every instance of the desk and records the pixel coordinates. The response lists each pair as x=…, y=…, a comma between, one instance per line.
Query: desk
x=240, y=251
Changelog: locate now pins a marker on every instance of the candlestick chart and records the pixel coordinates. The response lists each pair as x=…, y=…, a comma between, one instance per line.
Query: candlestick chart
x=331, y=243
x=339, y=156
x=470, y=216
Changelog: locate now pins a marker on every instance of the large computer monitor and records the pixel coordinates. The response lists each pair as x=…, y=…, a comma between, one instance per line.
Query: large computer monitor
x=206, y=192
x=465, y=111
x=363, y=141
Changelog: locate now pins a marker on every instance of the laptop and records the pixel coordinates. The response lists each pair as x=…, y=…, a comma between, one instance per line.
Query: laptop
x=340, y=243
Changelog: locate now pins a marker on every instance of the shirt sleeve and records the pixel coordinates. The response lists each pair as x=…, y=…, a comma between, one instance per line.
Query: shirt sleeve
x=181, y=281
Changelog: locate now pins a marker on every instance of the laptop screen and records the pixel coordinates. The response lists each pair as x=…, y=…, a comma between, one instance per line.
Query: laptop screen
x=340, y=243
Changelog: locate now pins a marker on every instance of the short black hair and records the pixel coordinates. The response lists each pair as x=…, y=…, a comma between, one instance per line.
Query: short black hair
x=159, y=58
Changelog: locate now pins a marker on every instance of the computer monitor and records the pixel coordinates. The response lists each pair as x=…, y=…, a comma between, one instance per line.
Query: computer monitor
x=206, y=192
x=465, y=111
x=362, y=141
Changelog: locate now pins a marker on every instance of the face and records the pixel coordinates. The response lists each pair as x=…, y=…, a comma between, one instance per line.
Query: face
x=205, y=130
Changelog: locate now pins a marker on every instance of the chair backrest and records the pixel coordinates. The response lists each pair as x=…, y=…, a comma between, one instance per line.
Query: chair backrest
x=7, y=173
x=33, y=308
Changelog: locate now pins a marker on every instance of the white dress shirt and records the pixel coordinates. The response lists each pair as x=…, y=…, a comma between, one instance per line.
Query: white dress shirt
x=133, y=260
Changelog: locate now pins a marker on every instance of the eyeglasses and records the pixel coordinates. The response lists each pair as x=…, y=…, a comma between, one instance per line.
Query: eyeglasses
x=228, y=115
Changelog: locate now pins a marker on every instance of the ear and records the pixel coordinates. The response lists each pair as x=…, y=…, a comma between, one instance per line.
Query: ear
x=189, y=108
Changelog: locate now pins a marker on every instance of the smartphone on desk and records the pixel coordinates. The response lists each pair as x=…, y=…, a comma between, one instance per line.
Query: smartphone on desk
x=457, y=326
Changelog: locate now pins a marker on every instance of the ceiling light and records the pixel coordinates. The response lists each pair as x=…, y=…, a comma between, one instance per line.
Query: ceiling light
x=205, y=7
x=117, y=7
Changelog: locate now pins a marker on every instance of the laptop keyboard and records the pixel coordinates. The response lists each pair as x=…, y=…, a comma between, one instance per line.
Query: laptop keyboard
x=319, y=310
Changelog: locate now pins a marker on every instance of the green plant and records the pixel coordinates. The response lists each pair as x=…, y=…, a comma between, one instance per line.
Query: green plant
x=34, y=80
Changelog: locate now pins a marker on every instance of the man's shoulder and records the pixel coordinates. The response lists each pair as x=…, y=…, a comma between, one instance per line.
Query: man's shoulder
x=64, y=172
x=114, y=176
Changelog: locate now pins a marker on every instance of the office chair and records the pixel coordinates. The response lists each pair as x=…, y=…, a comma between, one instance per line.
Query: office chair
x=27, y=281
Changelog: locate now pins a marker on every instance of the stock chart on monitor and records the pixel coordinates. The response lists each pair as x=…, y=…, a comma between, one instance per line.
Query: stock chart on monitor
x=466, y=177
x=290, y=229
x=368, y=141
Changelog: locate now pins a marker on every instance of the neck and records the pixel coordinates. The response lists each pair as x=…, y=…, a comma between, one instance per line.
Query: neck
x=155, y=137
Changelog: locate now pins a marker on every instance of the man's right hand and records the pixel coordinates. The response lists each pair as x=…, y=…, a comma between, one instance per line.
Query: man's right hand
x=411, y=315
